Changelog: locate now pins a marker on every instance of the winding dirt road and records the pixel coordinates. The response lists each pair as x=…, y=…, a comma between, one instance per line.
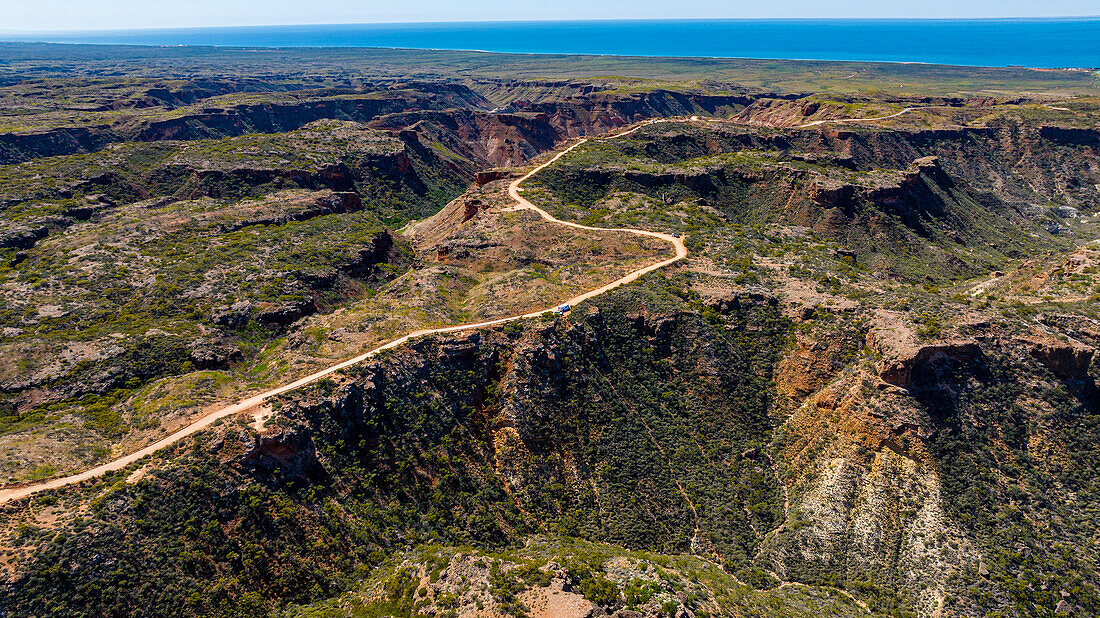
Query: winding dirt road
x=906, y=111
x=901, y=113
x=14, y=493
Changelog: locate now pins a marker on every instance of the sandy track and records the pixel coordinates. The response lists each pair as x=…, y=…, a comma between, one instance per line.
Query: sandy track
x=906, y=111
x=901, y=113
x=251, y=403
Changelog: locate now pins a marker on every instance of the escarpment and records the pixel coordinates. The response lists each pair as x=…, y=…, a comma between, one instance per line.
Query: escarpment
x=925, y=365
x=1070, y=360
x=920, y=209
x=1055, y=161
x=510, y=137
x=234, y=119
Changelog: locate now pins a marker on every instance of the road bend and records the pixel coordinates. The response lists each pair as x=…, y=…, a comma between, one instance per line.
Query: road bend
x=256, y=401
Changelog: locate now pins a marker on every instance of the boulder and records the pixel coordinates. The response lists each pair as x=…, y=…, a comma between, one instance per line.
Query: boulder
x=1066, y=212
x=484, y=178
x=471, y=210
x=929, y=167
x=93, y=204
x=318, y=279
x=287, y=313
x=235, y=317
x=22, y=237
x=289, y=449
x=212, y=355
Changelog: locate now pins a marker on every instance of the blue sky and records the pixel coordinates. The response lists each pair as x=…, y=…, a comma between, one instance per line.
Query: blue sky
x=26, y=15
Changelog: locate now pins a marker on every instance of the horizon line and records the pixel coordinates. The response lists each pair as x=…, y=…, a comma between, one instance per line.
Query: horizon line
x=1095, y=17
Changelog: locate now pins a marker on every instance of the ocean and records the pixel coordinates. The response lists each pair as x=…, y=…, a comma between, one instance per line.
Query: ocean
x=999, y=42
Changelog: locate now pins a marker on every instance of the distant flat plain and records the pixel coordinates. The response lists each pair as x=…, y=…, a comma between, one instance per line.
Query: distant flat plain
x=986, y=42
x=22, y=61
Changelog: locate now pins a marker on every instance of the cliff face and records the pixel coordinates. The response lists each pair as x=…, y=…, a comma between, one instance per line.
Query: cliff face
x=207, y=120
x=913, y=468
x=1020, y=159
x=515, y=134
x=396, y=173
x=486, y=139
x=510, y=137
x=270, y=118
x=606, y=409
x=1017, y=162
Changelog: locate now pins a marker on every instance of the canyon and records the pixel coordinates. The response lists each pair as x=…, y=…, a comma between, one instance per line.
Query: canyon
x=863, y=384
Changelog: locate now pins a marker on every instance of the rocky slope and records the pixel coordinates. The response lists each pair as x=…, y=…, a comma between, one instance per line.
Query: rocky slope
x=904, y=481
x=467, y=436
x=1019, y=151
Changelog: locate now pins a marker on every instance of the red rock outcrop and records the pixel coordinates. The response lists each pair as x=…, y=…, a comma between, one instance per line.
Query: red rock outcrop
x=1069, y=360
x=918, y=364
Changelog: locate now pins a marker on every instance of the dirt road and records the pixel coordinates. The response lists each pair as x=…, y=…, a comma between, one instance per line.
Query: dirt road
x=902, y=112
x=14, y=493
